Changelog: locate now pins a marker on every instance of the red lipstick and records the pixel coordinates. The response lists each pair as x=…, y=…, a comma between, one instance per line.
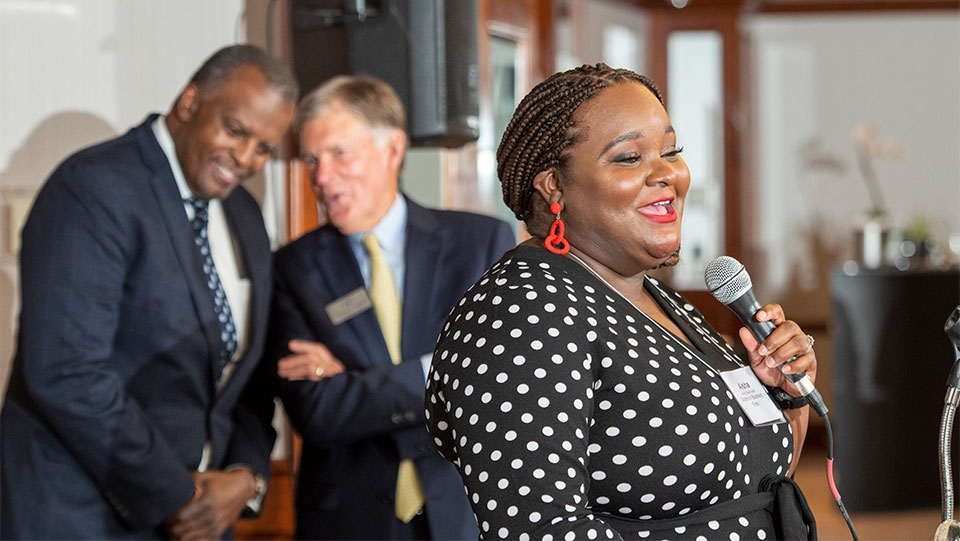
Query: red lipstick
x=660, y=211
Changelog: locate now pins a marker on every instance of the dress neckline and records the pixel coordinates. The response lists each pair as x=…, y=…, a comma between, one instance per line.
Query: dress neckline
x=705, y=349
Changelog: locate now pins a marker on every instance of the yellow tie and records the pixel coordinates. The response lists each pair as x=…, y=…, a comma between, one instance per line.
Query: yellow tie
x=383, y=293
x=386, y=304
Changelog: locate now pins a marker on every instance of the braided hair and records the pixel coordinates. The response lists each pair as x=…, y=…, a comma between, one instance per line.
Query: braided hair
x=542, y=128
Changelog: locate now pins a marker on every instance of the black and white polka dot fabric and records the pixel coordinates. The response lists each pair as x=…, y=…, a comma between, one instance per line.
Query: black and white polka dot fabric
x=566, y=410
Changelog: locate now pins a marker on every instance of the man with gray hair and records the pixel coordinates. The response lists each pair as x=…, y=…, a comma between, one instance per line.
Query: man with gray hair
x=358, y=306
x=146, y=281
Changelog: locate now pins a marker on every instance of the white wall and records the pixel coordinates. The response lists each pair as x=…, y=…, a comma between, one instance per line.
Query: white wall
x=814, y=79
x=80, y=71
x=602, y=31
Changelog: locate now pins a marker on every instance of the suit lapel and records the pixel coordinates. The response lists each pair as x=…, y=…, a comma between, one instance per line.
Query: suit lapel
x=422, y=260
x=175, y=221
x=254, y=255
x=340, y=273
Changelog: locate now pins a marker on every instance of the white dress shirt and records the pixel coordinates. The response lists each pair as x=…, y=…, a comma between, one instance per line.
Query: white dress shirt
x=223, y=249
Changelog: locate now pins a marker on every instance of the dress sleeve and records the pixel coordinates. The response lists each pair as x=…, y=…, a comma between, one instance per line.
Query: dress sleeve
x=510, y=402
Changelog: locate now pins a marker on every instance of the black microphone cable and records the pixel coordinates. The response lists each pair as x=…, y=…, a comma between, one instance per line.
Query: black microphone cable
x=729, y=282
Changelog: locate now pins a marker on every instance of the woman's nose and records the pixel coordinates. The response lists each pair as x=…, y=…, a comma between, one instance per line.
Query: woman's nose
x=664, y=174
x=668, y=173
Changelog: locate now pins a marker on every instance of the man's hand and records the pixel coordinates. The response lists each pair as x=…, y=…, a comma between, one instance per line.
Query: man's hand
x=308, y=360
x=220, y=498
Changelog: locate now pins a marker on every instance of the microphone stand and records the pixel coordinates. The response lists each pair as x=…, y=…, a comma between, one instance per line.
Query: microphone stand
x=949, y=529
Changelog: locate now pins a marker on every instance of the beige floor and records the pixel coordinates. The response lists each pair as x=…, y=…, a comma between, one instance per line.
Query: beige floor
x=900, y=525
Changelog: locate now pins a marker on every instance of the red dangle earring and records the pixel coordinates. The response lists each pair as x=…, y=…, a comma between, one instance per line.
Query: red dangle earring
x=555, y=241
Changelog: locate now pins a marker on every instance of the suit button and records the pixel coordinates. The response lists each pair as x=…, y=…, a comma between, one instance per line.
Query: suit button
x=396, y=418
x=121, y=510
x=387, y=500
x=409, y=416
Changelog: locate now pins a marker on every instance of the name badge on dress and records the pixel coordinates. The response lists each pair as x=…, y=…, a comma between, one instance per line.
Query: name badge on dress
x=752, y=396
x=349, y=305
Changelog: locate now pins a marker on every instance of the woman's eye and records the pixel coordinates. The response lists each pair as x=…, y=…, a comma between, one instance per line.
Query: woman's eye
x=627, y=158
x=673, y=153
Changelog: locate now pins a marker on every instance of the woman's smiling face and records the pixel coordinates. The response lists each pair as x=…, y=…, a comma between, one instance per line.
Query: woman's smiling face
x=625, y=182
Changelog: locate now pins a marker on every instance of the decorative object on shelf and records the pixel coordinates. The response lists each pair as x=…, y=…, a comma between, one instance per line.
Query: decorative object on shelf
x=872, y=237
x=919, y=247
x=873, y=234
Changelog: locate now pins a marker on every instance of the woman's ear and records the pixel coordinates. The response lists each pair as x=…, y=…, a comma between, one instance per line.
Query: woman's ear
x=547, y=185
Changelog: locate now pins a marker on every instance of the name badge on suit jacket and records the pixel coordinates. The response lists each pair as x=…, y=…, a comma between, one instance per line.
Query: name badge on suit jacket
x=349, y=305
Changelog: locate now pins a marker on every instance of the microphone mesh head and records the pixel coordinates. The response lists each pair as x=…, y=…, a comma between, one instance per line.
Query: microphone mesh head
x=727, y=279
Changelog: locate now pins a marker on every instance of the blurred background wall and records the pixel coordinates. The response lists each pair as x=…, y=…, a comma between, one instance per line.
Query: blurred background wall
x=76, y=72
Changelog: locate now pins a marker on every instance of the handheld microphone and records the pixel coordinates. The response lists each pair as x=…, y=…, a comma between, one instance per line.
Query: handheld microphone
x=729, y=283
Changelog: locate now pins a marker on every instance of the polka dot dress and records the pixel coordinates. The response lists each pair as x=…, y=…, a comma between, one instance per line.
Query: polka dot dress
x=566, y=410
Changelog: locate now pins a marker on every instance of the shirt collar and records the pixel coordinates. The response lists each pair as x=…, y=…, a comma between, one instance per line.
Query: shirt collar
x=165, y=140
x=390, y=229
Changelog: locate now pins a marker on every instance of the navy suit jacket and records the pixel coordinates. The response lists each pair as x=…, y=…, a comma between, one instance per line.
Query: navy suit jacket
x=359, y=424
x=112, y=392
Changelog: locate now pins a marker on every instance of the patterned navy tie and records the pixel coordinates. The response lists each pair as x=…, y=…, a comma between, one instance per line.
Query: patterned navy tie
x=228, y=332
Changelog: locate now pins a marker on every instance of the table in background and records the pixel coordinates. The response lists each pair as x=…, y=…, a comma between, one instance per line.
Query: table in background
x=891, y=361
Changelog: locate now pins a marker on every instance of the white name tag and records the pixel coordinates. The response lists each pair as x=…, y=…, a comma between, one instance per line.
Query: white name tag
x=752, y=397
x=348, y=306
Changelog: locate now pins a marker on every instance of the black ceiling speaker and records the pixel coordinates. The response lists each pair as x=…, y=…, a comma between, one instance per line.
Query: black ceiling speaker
x=425, y=49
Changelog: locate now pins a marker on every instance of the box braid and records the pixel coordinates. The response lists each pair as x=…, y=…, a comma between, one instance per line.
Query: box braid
x=541, y=129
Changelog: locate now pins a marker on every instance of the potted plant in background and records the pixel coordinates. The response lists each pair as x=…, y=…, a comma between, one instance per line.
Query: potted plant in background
x=873, y=233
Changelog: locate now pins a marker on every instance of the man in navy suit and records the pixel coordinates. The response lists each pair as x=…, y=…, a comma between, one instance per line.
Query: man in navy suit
x=146, y=282
x=353, y=389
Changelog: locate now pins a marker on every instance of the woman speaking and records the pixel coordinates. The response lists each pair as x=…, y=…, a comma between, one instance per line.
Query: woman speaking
x=578, y=397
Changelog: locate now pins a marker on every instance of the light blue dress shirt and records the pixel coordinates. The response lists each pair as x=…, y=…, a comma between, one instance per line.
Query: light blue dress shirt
x=391, y=233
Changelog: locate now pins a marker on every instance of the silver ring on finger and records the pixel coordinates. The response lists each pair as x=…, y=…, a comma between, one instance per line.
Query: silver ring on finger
x=810, y=342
